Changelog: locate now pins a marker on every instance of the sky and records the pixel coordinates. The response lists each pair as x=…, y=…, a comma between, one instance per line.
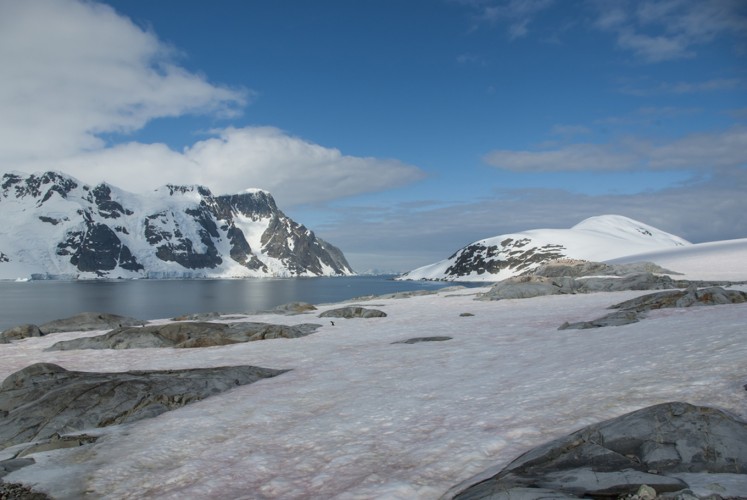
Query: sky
x=399, y=131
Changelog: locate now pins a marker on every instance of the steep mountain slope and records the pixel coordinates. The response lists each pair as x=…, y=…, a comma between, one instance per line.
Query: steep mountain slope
x=52, y=225
x=597, y=238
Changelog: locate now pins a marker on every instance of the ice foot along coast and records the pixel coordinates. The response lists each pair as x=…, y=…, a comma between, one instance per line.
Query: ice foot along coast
x=466, y=393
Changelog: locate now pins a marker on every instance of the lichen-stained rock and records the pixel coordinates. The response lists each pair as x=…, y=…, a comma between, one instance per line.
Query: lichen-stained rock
x=186, y=334
x=353, y=312
x=44, y=399
x=660, y=446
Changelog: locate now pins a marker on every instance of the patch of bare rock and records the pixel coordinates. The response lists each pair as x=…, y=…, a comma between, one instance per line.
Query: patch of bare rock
x=83, y=322
x=631, y=311
x=663, y=451
x=353, y=312
x=186, y=334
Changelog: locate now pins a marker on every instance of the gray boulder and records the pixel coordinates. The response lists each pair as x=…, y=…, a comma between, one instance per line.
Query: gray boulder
x=353, y=312
x=44, y=399
x=525, y=287
x=88, y=321
x=186, y=335
x=578, y=268
x=293, y=308
x=635, y=309
x=417, y=340
x=660, y=446
x=20, y=332
x=528, y=286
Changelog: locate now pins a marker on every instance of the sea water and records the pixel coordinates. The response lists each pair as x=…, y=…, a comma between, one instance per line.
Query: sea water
x=40, y=301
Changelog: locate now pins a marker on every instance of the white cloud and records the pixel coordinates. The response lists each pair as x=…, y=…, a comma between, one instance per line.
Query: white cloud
x=695, y=151
x=72, y=70
x=662, y=30
x=295, y=171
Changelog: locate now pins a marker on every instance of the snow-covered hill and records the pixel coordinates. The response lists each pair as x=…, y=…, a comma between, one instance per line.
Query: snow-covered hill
x=52, y=225
x=598, y=238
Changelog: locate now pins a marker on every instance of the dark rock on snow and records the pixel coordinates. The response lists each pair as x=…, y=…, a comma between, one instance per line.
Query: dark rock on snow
x=186, y=335
x=417, y=340
x=633, y=310
x=86, y=321
x=44, y=399
x=654, y=446
x=353, y=312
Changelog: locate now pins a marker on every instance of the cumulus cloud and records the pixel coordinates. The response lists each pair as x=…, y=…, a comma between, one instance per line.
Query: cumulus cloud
x=73, y=70
x=694, y=151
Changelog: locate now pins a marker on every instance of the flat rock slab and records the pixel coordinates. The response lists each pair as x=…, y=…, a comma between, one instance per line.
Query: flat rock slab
x=353, y=312
x=82, y=322
x=88, y=321
x=659, y=446
x=632, y=311
x=44, y=399
x=186, y=335
x=417, y=340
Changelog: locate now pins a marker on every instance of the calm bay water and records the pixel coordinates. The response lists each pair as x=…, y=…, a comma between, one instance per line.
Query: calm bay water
x=41, y=301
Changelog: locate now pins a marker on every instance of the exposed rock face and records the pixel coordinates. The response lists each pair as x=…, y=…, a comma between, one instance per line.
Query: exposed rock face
x=577, y=268
x=632, y=311
x=353, y=312
x=75, y=230
x=79, y=323
x=660, y=446
x=417, y=340
x=186, y=334
x=522, y=287
x=45, y=399
x=20, y=332
x=88, y=321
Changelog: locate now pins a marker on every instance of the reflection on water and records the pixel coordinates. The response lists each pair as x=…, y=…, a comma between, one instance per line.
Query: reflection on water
x=41, y=301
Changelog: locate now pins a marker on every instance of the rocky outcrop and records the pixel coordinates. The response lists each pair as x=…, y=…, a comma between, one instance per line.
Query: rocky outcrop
x=82, y=322
x=632, y=311
x=353, y=312
x=74, y=230
x=44, y=399
x=187, y=334
x=417, y=340
x=663, y=446
x=522, y=287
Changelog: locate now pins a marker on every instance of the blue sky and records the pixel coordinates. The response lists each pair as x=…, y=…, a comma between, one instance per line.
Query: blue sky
x=397, y=130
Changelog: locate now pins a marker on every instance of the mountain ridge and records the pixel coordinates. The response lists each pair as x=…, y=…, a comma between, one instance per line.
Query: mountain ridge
x=597, y=238
x=54, y=226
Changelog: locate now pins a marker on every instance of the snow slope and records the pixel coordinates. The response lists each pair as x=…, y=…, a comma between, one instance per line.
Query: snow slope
x=361, y=418
x=597, y=239
x=729, y=258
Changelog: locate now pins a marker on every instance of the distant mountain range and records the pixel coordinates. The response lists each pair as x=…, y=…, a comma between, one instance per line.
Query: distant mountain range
x=54, y=226
x=597, y=239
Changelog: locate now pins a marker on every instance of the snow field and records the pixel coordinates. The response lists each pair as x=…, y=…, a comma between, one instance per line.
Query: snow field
x=359, y=417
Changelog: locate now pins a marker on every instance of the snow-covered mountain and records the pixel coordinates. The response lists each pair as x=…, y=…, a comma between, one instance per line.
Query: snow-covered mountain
x=52, y=225
x=598, y=238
